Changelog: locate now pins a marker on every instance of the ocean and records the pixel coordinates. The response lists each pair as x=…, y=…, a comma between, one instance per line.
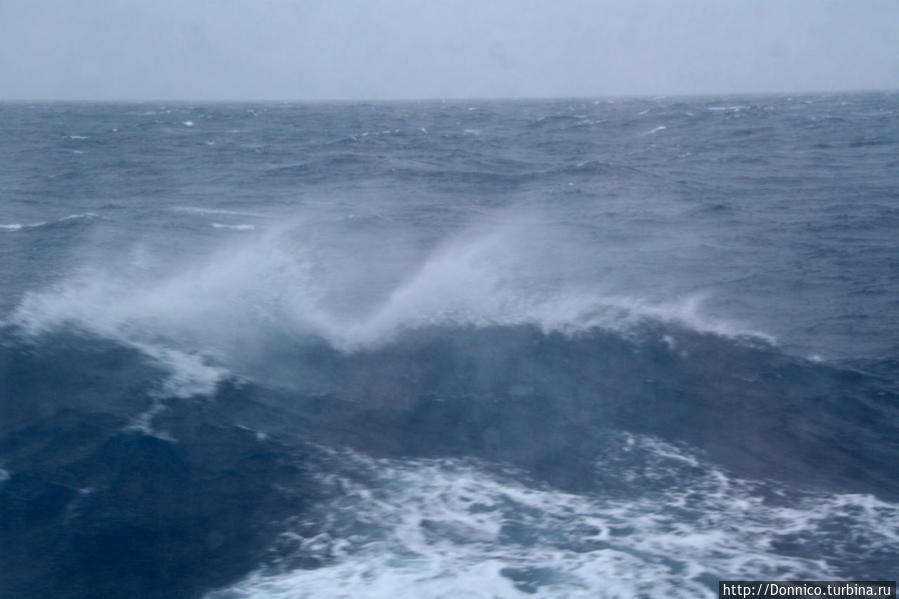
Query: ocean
x=585, y=348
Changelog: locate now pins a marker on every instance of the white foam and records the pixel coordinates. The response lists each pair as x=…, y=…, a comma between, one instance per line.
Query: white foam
x=21, y=226
x=191, y=374
x=85, y=215
x=143, y=423
x=727, y=108
x=188, y=123
x=447, y=528
x=90, y=303
x=243, y=227
x=225, y=307
x=657, y=129
x=213, y=211
x=483, y=282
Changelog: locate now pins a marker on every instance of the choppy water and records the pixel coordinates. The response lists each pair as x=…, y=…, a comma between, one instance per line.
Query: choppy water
x=610, y=348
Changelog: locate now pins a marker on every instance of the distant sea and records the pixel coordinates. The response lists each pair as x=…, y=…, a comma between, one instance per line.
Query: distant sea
x=557, y=349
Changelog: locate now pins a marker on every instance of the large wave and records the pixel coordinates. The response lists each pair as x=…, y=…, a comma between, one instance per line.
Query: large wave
x=447, y=403
x=232, y=305
x=479, y=347
x=658, y=461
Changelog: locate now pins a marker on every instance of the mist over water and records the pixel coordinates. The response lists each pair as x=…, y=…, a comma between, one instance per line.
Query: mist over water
x=562, y=349
x=243, y=296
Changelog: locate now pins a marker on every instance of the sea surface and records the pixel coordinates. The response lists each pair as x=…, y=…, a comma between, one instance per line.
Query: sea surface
x=586, y=348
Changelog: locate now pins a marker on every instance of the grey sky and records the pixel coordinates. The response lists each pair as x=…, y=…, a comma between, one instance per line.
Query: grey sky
x=383, y=49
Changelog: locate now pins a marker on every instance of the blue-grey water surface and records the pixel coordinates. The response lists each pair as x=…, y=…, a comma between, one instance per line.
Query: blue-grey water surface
x=573, y=348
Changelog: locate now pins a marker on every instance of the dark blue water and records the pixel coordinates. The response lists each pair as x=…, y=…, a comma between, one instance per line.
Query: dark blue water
x=558, y=349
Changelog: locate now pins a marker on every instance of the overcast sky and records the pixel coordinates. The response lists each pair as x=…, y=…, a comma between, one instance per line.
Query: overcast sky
x=386, y=49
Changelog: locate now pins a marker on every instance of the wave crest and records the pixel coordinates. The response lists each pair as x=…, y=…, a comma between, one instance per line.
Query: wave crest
x=277, y=288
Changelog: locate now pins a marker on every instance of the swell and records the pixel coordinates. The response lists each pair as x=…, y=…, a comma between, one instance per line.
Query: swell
x=478, y=348
x=542, y=401
x=513, y=394
x=175, y=494
x=111, y=488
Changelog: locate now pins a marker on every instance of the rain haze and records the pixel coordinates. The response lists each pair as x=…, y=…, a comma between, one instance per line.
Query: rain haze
x=394, y=49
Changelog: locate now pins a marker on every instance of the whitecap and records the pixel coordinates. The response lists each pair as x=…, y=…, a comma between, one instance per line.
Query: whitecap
x=242, y=227
x=210, y=313
x=21, y=226
x=192, y=374
x=143, y=423
x=451, y=528
x=85, y=215
x=217, y=304
x=213, y=211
